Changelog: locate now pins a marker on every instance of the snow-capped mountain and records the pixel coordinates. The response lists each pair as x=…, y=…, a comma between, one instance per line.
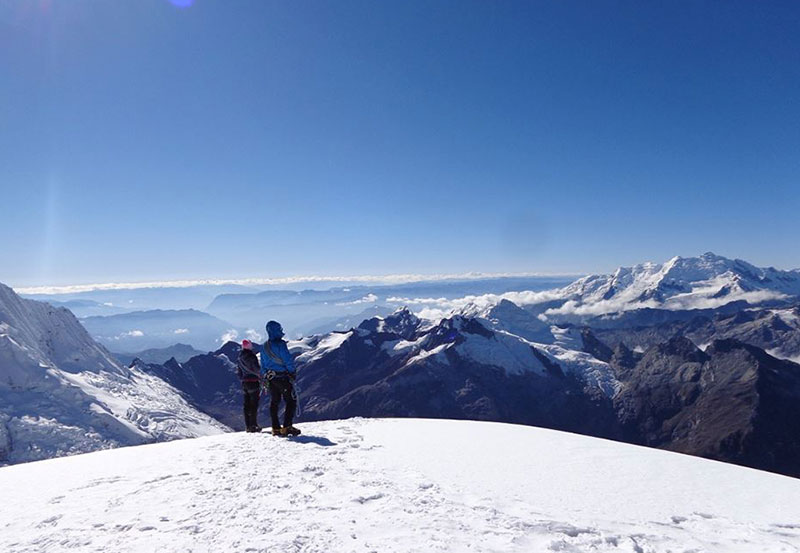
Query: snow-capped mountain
x=456, y=367
x=704, y=282
x=62, y=393
x=508, y=316
x=397, y=486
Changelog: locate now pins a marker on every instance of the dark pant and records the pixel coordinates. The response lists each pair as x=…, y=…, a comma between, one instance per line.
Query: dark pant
x=252, y=393
x=282, y=388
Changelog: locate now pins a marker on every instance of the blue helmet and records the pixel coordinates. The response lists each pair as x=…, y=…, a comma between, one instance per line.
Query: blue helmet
x=274, y=330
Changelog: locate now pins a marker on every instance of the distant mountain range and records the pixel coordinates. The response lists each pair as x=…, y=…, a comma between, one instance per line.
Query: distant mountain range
x=90, y=308
x=303, y=312
x=179, y=352
x=140, y=330
x=146, y=299
x=62, y=393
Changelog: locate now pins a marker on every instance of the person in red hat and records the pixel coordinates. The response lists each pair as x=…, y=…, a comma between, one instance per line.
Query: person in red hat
x=249, y=370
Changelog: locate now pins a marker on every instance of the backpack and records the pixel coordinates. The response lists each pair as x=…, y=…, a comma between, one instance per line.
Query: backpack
x=248, y=367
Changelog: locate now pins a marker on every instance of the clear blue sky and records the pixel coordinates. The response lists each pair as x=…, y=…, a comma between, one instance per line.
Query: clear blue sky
x=140, y=140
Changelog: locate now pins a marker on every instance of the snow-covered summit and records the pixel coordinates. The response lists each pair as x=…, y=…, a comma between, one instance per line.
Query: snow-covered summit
x=398, y=486
x=702, y=282
x=62, y=393
x=508, y=316
x=402, y=322
x=34, y=335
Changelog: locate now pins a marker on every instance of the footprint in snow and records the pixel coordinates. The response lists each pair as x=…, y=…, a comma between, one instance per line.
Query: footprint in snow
x=367, y=499
x=52, y=521
x=99, y=482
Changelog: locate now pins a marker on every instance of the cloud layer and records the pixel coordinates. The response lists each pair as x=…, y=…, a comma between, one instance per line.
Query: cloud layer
x=368, y=279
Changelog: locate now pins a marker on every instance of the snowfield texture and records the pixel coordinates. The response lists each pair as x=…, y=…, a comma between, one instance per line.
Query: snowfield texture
x=61, y=393
x=396, y=486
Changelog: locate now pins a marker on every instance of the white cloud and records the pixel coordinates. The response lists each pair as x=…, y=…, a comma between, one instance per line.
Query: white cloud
x=230, y=336
x=420, y=301
x=691, y=301
x=369, y=298
x=252, y=335
x=181, y=331
x=368, y=279
x=432, y=313
x=439, y=307
x=602, y=307
x=132, y=334
x=694, y=300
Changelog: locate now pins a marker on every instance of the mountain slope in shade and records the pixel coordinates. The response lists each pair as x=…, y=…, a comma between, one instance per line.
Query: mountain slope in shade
x=398, y=486
x=775, y=330
x=62, y=393
x=732, y=402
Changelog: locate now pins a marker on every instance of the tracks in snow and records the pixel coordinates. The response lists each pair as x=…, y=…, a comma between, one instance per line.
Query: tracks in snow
x=321, y=494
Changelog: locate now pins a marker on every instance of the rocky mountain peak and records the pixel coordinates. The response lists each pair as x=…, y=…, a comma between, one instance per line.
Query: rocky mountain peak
x=402, y=323
x=680, y=346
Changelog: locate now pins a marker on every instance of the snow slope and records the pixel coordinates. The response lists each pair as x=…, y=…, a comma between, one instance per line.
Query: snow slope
x=396, y=486
x=62, y=393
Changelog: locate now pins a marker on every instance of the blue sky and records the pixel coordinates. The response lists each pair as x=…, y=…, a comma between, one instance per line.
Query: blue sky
x=140, y=140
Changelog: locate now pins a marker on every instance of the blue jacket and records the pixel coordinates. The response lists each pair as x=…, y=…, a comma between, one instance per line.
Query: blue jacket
x=280, y=351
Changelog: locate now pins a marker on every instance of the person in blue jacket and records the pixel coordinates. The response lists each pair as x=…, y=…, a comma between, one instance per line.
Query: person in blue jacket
x=278, y=370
